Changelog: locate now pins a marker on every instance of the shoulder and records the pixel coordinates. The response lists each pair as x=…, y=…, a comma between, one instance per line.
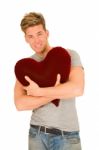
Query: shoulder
x=33, y=56
x=72, y=52
x=75, y=57
x=36, y=57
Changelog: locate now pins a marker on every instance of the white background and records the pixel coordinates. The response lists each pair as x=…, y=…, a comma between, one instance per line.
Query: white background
x=72, y=24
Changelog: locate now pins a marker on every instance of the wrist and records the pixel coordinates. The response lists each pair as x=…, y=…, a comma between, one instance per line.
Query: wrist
x=46, y=91
x=39, y=92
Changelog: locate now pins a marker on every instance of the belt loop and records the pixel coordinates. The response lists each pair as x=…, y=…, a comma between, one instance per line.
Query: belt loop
x=45, y=130
x=62, y=133
x=39, y=129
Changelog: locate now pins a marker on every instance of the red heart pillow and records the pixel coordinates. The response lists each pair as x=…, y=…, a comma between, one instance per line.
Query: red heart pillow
x=44, y=73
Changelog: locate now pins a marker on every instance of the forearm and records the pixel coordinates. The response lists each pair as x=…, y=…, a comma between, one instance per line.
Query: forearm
x=72, y=88
x=62, y=91
x=29, y=102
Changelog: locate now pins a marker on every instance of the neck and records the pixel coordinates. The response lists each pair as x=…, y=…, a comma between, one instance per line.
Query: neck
x=45, y=51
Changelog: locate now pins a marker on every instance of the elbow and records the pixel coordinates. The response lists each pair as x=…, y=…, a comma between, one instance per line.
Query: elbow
x=79, y=91
x=18, y=108
x=18, y=105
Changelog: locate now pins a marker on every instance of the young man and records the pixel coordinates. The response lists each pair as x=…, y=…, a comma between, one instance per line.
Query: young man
x=51, y=127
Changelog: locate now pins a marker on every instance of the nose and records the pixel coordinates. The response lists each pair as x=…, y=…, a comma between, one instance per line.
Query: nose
x=36, y=40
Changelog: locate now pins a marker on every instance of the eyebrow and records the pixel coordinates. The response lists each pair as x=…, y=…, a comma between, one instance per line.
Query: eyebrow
x=40, y=32
x=28, y=34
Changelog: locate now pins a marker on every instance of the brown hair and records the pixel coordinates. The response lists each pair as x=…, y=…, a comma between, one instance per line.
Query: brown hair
x=32, y=19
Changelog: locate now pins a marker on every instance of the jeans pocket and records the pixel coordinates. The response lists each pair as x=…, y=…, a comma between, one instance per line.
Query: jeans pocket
x=73, y=138
x=32, y=133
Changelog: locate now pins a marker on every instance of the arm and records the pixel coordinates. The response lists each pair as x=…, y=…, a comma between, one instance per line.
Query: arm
x=27, y=102
x=72, y=88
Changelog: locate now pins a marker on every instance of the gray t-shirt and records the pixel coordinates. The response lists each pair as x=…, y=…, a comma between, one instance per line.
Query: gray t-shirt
x=64, y=116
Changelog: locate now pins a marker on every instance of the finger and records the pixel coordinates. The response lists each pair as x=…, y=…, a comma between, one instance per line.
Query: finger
x=25, y=88
x=58, y=79
x=28, y=79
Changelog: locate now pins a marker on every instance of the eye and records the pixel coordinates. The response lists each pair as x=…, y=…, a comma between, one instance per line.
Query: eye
x=30, y=36
x=40, y=34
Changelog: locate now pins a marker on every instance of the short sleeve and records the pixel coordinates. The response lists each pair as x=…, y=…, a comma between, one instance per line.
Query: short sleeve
x=75, y=58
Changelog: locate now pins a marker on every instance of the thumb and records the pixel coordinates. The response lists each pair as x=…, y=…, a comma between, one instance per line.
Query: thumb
x=28, y=79
x=58, y=79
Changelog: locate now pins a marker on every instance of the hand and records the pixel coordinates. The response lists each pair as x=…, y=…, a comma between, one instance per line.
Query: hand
x=32, y=88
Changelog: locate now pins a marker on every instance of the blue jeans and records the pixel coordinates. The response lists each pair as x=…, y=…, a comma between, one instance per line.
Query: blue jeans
x=39, y=140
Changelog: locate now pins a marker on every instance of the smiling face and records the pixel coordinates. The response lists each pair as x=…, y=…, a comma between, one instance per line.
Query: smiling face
x=34, y=27
x=37, y=38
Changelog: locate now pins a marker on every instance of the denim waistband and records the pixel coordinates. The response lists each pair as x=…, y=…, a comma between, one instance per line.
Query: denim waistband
x=53, y=130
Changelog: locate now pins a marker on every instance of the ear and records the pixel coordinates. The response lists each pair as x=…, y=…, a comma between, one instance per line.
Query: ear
x=26, y=39
x=47, y=33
